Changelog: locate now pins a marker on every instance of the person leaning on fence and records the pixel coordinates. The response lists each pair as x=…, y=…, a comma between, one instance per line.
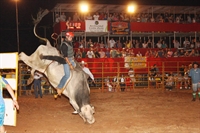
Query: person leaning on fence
x=194, y=73
x=5, y=84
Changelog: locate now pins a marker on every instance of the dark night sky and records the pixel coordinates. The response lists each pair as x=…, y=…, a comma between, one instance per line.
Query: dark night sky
x=26, y=8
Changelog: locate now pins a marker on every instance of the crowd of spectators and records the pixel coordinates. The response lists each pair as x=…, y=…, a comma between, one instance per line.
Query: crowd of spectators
x=138, y=17
x=136, y=48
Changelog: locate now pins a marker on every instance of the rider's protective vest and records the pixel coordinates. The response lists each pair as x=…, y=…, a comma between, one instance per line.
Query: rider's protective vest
x=70, y=50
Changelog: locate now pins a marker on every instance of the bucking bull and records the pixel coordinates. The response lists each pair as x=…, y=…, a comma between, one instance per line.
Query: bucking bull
x=76, y=88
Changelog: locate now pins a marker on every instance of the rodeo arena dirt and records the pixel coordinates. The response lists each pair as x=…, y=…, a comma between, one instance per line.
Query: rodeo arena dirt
x=119, y=112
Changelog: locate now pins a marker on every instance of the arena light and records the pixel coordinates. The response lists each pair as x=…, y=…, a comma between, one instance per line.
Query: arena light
x=131, y=8
x=83, y=7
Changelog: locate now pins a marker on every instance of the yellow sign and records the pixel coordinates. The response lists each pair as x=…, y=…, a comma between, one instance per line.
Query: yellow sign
x=135, y=62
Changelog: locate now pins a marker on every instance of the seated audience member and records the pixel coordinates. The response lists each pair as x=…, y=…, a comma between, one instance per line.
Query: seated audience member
x=123, y=52
x=139, y=54
x=107, y=53
x=169, y=53
x=192, y=53
x=147, y=53
x=96, y=53
x=197, y=44
x=78, y=54
x=160, y=53
x=101, y=45
x=90, y=53
x=119, y=54
x=102, y=53
x=84, y=53
x=196, y=52
x=186, y=53
x=113, y=53
x=175, y=54
x=181, y=53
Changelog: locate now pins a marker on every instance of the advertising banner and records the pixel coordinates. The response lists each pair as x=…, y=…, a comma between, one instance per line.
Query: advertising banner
x=135, y=62
x=120, y=28
x=96, y=25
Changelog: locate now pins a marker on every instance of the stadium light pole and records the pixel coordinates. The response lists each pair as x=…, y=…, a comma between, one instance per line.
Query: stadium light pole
x=17, y=24
x=131, y=10
x=84, y=9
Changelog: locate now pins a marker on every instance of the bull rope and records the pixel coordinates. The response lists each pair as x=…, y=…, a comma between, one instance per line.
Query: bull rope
x=48, y=66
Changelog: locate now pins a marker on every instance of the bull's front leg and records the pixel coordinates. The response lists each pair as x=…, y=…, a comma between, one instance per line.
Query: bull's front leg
x=77, y=110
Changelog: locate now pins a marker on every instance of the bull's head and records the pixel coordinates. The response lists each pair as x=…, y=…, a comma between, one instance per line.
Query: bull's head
x=87, y=112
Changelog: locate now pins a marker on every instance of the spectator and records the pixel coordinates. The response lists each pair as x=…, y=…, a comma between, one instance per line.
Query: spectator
x=84, y=53
x=87, y=70
x=63, y=17
x=102, y=53
x=113, y=52
x=57, y=18
x=96, y=53
x=108, y=84
x=122, y=83
x=186, y=81
x=186, y=43
x=176, y=44
x=76, y=17
x=112, y=43
x=194, y=73
x=180, y=81
x=170, y=82
x=96, y=16
x=192, y=53
x=78, y=54
x=89, y=16
x=119, y=54
x=160, y=53
x=159, y=44
x=169, y=53
x=145, y=44
x=107, y=53
x=37, y=84
x=5, y=84
x=90, y=53
x=101, y=45
x=139, y=54
x=131, y=74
